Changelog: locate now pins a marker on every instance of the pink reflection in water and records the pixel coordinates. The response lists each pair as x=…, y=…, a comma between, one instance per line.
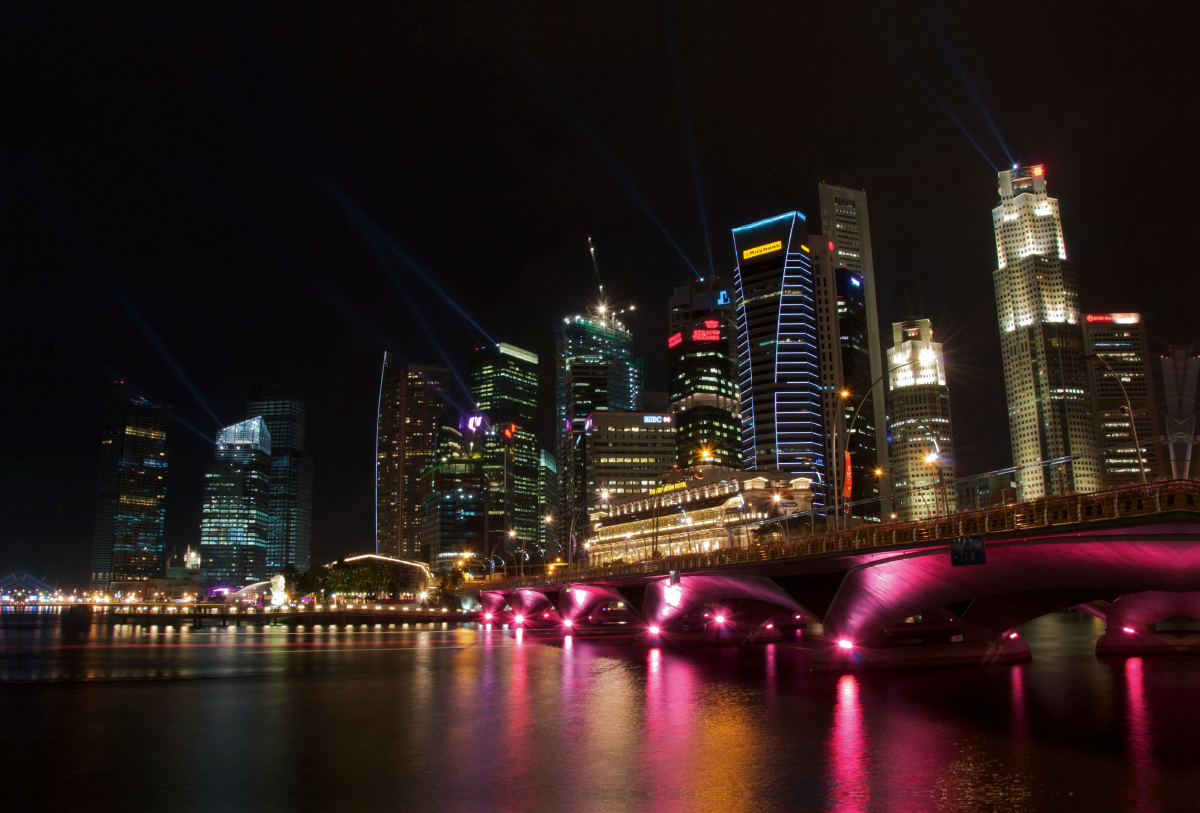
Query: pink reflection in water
x=1139, y=736
x=1019, y=712
x=849, y=789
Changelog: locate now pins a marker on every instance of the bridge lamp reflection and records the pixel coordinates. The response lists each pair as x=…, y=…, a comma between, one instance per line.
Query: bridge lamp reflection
x=720, y=619
x=846, y=643
x=520, y=619
x=487, y=616
x=568, y=623
x=654, y=630
x=1129, y=630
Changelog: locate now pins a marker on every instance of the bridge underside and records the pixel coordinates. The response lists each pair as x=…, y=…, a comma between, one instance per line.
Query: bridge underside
x=897, y=608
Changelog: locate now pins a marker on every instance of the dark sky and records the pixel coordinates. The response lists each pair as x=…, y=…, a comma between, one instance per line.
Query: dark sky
x=196, y=196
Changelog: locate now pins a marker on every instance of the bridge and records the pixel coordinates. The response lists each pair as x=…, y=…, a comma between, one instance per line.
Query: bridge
x=944, y=591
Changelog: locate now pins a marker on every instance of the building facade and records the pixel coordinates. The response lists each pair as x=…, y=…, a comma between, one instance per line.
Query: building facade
x=626, y=453
x=504, y=385
x=694, y=515
x=778, y=358
x=1120, y=340
x=985, y=491
x=454, y=507
x=131, y=500
x=548, y=525
x=1041, y=338
x=411, y=399
x=922, y=443
x=235, y=524
x=285, y=412
x=845, y=264
x=594, y=372
x=703, y=373
x=1181, y=370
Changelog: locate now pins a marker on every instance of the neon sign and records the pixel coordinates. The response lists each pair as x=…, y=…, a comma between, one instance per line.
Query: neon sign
x=1038, y=172
x=656, y=419
x=1119, y=318
x=722, y=297
x=711, y=323
x=510, y=430
x=674, y=340
x=474, y=422
x=760, y=250
x=706, y=335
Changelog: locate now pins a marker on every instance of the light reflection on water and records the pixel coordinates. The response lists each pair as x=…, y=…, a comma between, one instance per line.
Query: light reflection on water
x=401, y=717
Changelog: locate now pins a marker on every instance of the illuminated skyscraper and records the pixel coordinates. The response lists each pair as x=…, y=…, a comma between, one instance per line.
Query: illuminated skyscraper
x=411, y=399
x=1041, y=338
x=778, y=359
x=454, y=499
x=235, y=520
x=702, y=369
x=851, y=350
x=548, y=530
x=285, y=412
x=922, y=452
x=594, y=373
x=504, y=384
x=130, y=504
x=1119, y=339
x=626, y=453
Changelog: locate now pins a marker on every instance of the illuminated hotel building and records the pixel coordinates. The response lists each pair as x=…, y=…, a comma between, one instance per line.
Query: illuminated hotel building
x=626, y=453
x=922, y=449
x=778, y=358
x=285, y=412
x=130, y=503
x=504, y=385
x=851, y=350
x=1041, y=338
x=703, y=373
x=694, y=516
x=411, y=399
x=1119, y=339
x=235, y=519
x=593, y=373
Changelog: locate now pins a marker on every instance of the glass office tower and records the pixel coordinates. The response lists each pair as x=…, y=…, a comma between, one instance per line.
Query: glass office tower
x=504, y=385
x=284, y=410
x=130, y=503
x=235, y=520
x=778, y=361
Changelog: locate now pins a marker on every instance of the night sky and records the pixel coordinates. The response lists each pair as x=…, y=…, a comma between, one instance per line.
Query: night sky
x=197, y=197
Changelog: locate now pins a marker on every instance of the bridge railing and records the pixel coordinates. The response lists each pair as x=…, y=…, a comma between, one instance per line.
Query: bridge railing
x=1048, y=512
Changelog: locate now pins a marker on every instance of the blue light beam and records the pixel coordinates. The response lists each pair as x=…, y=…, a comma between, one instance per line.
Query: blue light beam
x=608, y=157
x=933, y=21
x=916, y=74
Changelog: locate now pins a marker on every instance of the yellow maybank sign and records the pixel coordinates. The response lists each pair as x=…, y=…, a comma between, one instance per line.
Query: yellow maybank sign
x=759, y=250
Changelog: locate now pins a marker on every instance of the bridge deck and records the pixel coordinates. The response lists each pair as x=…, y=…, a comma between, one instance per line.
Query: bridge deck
x=1049, y=516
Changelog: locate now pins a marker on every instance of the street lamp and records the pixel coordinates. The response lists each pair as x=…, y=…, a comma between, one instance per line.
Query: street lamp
x=1129, y=407
x=837, y=514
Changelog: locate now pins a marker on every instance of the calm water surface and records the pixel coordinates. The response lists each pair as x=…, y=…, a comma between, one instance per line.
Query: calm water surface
x=447, y=718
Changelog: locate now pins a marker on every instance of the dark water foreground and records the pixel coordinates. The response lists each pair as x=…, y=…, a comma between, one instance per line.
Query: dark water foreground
x=447, y=718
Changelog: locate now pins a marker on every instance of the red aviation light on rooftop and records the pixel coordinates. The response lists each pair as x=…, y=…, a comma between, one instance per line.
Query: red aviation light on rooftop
x=1039, y=171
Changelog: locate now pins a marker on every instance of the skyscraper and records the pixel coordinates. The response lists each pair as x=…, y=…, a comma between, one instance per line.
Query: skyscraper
x=778, y=360
x=284, y=410
x=235, y=520
x=626, y=453
x=702, y=369
x=922, y=452
x=548, y=526
x=411, y=399
x=1119, y=339
x=851, y=348
x=130, y=503
x=1041, y=337
x=454, y=500
x=1181, y=369
x=594, y=373
x=504, y=384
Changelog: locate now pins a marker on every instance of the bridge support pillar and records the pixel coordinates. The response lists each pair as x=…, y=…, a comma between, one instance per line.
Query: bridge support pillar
x=1131, y=624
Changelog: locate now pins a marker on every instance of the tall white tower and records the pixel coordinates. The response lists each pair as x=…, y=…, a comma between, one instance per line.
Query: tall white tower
x=1041, y=337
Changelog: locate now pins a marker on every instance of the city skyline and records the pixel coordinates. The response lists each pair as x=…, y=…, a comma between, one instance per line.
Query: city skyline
x=159, y=257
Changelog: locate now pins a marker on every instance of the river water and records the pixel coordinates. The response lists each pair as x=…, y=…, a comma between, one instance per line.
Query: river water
x=444, y=717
